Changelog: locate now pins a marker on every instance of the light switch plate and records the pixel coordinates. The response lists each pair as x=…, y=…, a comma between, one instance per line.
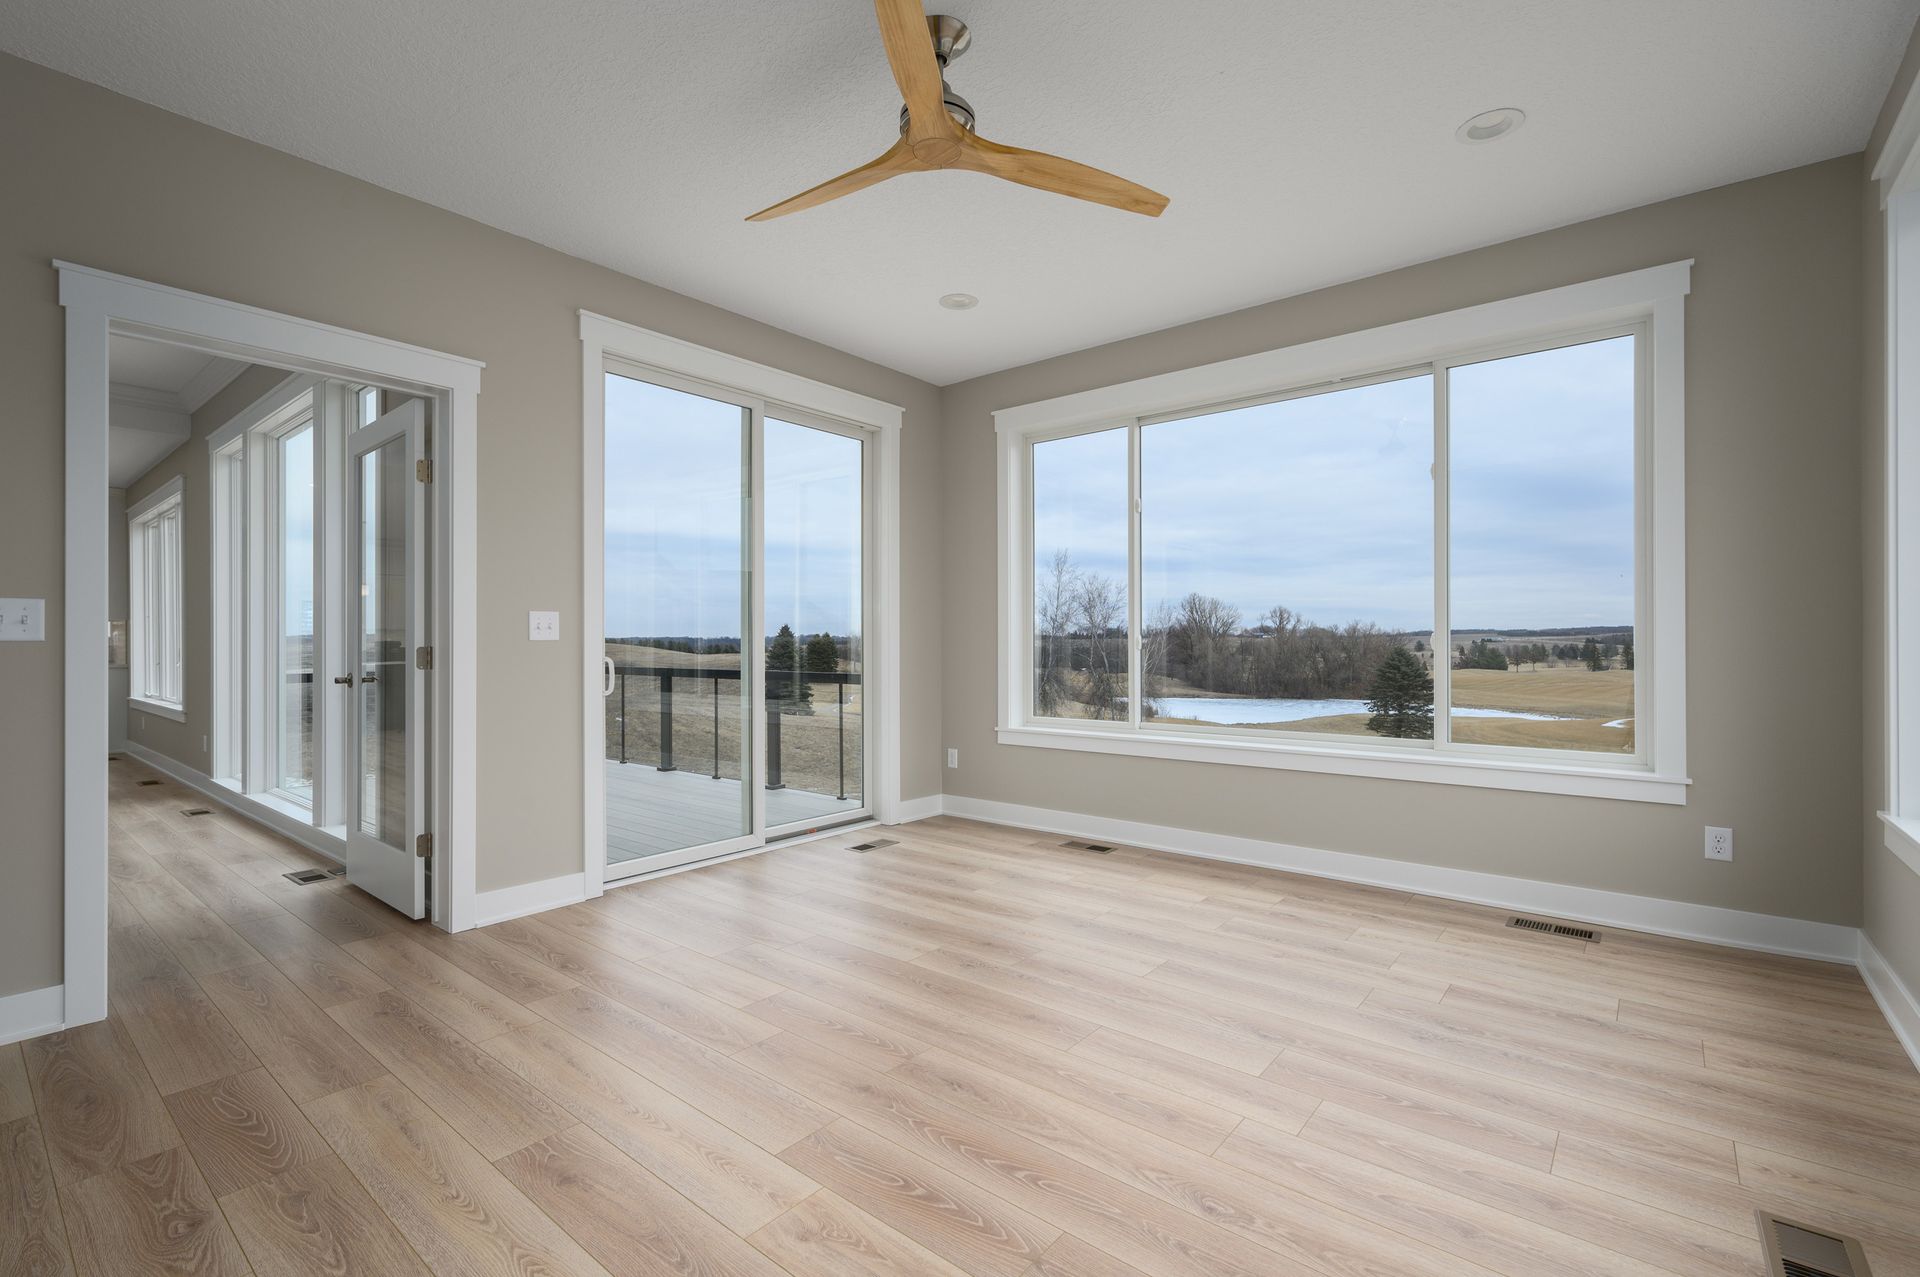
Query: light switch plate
x=543, y=627
x=23, y=620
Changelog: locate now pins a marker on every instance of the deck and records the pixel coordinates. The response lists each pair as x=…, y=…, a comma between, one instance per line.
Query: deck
x=649, y=811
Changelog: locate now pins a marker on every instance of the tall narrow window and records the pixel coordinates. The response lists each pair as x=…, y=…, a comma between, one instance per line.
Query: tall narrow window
x=1286, y=552
x=229, y=527
x=294, y=636
x=156, y=658
x=1080, y=656
x=1542, y=546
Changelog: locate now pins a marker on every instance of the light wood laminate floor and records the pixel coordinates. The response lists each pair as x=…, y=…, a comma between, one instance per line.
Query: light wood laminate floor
x=974, y=1052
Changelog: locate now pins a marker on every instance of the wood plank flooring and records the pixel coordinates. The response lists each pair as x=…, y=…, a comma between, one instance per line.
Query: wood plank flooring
x=976, y=1052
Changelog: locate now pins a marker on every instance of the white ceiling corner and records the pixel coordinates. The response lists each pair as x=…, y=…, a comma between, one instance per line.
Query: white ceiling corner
x=1302, y=143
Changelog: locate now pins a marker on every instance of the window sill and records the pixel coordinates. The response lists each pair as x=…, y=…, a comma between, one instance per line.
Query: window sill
x=1902, y=835
x=159, y=709
x=1628, y=784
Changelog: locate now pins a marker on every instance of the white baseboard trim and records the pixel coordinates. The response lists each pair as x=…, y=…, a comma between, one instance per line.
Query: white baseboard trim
x=30, y=1014
x=503, y=903
x=1897, y=1001
x=314, y=840
x=1828, y=942
x=912, y=809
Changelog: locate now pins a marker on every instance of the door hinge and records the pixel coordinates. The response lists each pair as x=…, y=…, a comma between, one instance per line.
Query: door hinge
x=423, y=846
x=423, y=658
x=423, y=470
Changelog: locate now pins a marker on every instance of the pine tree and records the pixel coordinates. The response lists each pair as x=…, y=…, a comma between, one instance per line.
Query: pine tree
x=1401, y=698
x=823, y=655
x=785, y=687
x=1590, y=653
x=1626, y=655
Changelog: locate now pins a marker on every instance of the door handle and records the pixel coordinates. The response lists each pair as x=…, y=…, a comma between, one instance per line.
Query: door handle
x=607, y=690
x=369, y=678
x=343, y=680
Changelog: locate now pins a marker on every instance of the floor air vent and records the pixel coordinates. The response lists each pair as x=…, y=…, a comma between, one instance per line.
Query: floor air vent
x=875, y=845
x=197, y=811
x=1794, y=1250
x=1553, y=928
x=307, y=877
x=1097, y=848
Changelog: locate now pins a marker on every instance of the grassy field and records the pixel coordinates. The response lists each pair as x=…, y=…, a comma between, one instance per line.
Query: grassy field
x=1586, y=701
x=811, y=745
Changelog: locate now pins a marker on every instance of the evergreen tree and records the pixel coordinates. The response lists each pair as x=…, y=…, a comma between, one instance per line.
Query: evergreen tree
x=823, y=655
x=1590, y=653
x=1400, y=701
x=1626, y=655
x=785, y=688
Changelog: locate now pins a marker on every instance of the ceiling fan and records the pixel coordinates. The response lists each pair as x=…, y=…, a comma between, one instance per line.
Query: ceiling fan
x=936, y=128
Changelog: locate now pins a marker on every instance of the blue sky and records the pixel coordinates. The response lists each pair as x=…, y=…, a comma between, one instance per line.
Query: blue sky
x=675, y=474
x=1323, y=504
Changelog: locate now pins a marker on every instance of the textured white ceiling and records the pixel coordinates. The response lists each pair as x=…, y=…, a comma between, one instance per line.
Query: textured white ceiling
x=1302, y=143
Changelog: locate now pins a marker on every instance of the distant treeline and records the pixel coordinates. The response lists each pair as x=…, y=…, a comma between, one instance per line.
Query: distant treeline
x=1080, y=648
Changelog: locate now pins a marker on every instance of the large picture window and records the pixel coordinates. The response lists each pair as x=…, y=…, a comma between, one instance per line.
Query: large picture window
x=155, y=639
x=1443, y=567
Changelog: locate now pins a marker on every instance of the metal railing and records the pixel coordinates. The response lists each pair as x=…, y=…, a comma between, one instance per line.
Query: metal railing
x=782, y=699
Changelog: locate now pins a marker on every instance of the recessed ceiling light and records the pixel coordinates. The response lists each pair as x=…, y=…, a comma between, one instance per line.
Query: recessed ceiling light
x=1491, y=126
x=959, y=301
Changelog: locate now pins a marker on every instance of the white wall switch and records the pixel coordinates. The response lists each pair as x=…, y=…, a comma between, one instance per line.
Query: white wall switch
x=23, y=620
x=953, y=758
x=543, y=627
x=1719, y=843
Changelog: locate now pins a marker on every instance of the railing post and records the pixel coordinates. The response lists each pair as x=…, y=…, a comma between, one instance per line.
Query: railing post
x=623, y=714
x=840, y=701
x=773, y=732
x=716, y=727
x=666, y=721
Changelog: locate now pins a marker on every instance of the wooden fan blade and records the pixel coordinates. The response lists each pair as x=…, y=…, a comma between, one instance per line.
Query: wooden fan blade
x=903, y=29
x=1051, y=173
x=899, y=159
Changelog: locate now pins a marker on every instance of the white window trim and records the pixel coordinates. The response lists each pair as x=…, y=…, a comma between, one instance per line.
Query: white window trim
x=1654, y=297
x=1900, y=822
x=142, y=518
x=603, y=340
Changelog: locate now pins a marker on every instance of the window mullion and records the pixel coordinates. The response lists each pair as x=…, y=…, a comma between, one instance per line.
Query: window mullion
x=1442, y=644
x=1136, y=667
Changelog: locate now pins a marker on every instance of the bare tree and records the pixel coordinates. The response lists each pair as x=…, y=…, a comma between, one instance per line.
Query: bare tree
x=1100, y=615
x=1053, y=608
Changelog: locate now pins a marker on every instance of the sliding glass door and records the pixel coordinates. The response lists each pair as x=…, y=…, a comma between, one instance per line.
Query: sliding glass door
x=733, y=602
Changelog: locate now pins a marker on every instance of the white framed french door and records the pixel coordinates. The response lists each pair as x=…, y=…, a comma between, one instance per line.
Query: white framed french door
x=735, y=581
x=385, y=797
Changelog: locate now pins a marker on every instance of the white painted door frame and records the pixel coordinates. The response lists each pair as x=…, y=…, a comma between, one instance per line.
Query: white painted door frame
x=98, y=305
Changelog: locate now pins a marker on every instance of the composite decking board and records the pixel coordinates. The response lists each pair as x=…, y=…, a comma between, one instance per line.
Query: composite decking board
x=977, y=1052
x=651, y=811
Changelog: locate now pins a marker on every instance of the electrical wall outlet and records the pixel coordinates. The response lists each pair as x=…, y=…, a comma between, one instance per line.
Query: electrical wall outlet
x=23, y=620
x=1719, y=843
x=543, y=627
x=953, y=758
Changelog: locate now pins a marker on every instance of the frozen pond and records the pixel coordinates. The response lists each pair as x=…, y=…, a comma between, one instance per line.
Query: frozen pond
x=1238, y=710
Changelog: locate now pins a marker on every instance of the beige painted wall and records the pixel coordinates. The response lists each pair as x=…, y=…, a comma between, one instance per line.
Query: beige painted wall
x=1773, y=412
x=1890, y=890
x=182, y=741
x=98, y=178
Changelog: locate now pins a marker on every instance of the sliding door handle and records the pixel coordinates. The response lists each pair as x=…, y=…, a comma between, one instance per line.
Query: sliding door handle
x=369, y=678
x=607, y=689
x=344, y=680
